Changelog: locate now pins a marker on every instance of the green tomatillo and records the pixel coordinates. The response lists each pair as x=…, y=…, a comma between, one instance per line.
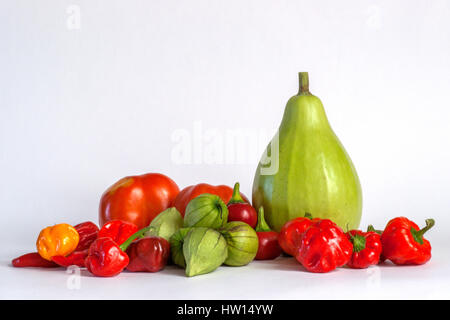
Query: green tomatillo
x=242, y=243
x=176, y=246
x=206, y=210
x=204, y=250
x=166, y=224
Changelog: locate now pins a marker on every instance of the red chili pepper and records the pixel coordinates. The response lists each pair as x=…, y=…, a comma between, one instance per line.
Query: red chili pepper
x=88, y=232
x=33, y=259
x=149, y=254
x=324, y=247
x=366, y=249
x=268, y=247
x=106, y=258
x=292, y=231
x=403, y=242
x=240, y=210
x=117, y=230
x=74, y=259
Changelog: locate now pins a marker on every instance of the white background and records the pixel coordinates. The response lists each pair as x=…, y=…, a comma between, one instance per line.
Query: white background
x=87, y=99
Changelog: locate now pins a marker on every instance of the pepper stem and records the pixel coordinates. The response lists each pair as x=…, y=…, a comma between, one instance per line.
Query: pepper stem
x=236, y=198
x=418, y=234
x=303, y=83
x=262, y=225
x=124, y=246
x=370, y=228
x=359, y=242
x=308, y=215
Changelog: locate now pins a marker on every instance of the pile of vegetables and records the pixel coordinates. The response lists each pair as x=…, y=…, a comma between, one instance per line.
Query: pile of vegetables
x=147, y=222
x=207, y=234
x=210, y=233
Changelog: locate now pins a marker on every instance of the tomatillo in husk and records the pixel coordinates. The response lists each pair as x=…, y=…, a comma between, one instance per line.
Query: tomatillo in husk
x=242, y=243
x=166, y=224
x=176, y=246
x=206, y=210
x=204, y=250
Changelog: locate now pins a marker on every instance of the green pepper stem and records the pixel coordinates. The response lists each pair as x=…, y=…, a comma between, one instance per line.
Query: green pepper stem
x=308, y=215
x=418, y=234
x=124, y=246
x=303, y=83
x=262, y=225
x=358, y=241
x=370, y=228
x=236, y=198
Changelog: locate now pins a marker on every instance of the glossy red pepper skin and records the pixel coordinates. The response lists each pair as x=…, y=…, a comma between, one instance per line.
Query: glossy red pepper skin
x=240, y=210
x=324, y=247
x=403, y=242
x=366, y=249
x=76, y=258
x=149, y=254
x=34, y=260
x=191, y=192
x=371, y=228
x=268, y=247
x=88, y=232
x=117, y=230
x=290, y=234
x=106, y=258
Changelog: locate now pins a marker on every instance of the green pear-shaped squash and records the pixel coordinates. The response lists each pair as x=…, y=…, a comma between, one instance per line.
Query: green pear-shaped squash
x=306, y=169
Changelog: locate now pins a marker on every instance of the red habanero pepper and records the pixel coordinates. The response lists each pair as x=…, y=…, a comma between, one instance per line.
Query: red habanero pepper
x=88, y=232
x=240, y=210
x=32, y=259
x=117, y=230
x=324, y=247
x=366, y=249
x=106, y=258
x=403, y=242
x=292, y=231
x=371, y=228
x=149, y=254
x=76, y=258
x=268, y=247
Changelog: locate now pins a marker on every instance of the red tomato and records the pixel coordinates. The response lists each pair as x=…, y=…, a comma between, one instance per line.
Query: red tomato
x=189, y=193
x=137, y=199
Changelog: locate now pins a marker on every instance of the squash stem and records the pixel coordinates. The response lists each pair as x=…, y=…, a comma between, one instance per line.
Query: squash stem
x=303, y=83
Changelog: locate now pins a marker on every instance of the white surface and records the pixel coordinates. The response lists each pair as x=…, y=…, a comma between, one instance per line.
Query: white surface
x=283, y=278
x=87, y=99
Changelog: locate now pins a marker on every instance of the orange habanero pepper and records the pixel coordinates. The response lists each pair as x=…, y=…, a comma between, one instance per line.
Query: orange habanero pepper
x=58, y=240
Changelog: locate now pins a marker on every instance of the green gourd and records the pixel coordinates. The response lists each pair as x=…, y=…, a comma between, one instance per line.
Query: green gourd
x=305, y=168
